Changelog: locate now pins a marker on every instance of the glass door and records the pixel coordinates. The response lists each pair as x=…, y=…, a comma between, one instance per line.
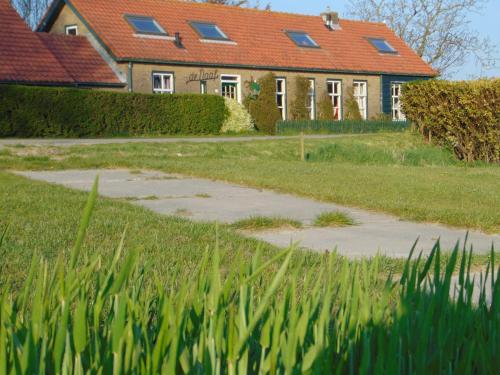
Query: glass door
x=230, y=87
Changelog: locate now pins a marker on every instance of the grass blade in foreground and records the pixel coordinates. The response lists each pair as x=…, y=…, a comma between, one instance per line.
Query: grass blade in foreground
x=99, y=319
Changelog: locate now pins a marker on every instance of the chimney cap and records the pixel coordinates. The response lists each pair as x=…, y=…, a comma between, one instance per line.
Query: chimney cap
x=331, y=19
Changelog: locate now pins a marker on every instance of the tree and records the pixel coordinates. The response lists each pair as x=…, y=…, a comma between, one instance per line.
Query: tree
x=263, y=107
x=299, y=110
x=438, y=30
x=325, y=107
x=31, y=10
x=352, y=111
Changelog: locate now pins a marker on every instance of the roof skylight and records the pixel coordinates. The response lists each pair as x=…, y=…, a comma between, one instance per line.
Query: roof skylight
x=302, y=39
x=382, y=45
x=145, y=25
x=209, y=31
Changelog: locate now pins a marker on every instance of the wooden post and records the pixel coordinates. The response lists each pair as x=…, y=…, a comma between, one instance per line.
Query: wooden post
x=302, y=147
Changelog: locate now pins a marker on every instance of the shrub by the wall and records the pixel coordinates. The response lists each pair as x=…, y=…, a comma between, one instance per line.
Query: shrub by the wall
x=325, y=108
x=299, y=110
x=263, y=107
x=66, y=112
x=464, y=116
x=239, y=120
x=351, y=111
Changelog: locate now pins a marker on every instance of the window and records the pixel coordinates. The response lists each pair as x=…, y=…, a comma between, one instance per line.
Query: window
x=230, y=86
x=145, y=25
x=302, y=39
x=360, y=95
x=203, y=87
x=311, y=99
x=335, y=92
x=209, y=31
x=71, y=30
x=382, y=45
x=163, y=83
x=397, y=114
x=281, y=96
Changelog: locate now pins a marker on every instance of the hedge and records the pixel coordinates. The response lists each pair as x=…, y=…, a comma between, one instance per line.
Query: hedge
x=463, y=116
x=339, y=127
x=27, y=111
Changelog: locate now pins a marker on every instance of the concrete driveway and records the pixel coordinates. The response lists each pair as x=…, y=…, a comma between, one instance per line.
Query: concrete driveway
x=205, y=200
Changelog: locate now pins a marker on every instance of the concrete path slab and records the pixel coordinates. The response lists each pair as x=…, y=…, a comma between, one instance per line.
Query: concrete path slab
x=205, y=200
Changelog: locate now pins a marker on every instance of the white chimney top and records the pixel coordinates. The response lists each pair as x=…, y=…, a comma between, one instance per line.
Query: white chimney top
x=331, y=19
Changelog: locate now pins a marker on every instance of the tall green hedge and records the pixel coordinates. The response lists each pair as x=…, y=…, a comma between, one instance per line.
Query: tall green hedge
x=27, y=111
x=263, y=107
x=464, y=116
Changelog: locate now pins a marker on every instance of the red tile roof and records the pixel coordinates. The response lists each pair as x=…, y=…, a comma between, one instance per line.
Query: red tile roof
x=79, y=58
x=29, y=57
x=260, y=37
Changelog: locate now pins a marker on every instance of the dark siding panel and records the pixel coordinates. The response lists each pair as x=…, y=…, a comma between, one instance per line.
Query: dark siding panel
x=386, y=88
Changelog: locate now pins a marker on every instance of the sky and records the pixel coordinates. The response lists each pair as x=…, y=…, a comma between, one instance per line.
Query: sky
x=486, y=22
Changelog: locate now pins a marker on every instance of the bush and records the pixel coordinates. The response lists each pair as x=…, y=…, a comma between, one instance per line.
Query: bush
x=463, y=116
x=325, y=108
x=352, y=111
x=238, y=120
x=263, y=107
x=299, y=110
x=66, y=112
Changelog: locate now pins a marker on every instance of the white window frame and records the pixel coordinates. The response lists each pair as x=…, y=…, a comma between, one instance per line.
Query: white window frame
x=282, y=93
x=311, y=98
x=397, y=113
x=336, y=93
x=203, y=87
x=361, y=96
x=231, y=78
x=163, y=89
x=68, y=28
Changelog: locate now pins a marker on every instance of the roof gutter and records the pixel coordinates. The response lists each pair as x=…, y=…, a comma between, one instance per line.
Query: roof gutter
x=64, y=84
x=264, y=67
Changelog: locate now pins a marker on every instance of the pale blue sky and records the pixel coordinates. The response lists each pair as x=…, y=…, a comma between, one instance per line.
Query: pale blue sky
x=487, y=22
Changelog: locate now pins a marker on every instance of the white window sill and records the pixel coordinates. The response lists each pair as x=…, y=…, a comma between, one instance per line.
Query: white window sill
x=152, y=36
x=215, y=41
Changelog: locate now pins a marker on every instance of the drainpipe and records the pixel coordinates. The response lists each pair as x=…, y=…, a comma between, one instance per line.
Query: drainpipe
x=381, y=94
x=130, y=82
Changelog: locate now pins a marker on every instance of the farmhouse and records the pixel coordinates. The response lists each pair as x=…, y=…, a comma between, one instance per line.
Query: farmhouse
x=170, y=46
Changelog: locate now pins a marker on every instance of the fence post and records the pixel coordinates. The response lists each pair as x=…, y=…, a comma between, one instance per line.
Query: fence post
x=302, y=147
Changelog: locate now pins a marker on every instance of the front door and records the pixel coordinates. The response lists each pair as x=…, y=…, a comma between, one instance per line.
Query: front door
x=229, y=87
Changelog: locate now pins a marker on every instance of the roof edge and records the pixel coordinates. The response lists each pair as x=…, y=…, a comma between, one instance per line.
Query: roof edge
x=50, y=15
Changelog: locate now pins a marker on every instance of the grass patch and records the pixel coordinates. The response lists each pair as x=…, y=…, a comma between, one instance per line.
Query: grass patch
x=183, y=212
x=261, y=223
x=92, y=313
x=433, y=187
x=203, y=195
x=333, y=219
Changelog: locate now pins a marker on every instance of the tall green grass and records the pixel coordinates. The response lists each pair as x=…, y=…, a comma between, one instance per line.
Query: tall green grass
x=80, y=317
x=369, y=154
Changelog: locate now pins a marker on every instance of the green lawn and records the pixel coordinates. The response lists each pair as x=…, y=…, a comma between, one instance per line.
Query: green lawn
x=395, y=173
x=43, y=219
